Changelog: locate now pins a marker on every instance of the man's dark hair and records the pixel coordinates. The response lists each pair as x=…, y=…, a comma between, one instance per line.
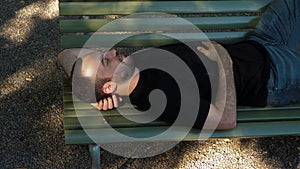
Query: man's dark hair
x=86, y=88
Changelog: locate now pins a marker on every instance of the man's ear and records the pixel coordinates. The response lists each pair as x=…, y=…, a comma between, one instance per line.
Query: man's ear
x=109, y=87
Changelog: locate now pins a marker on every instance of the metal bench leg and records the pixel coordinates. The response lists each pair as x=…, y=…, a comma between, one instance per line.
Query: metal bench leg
x=95, y=154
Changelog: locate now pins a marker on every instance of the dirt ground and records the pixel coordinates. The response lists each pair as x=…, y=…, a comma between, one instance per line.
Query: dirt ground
x=31, y=109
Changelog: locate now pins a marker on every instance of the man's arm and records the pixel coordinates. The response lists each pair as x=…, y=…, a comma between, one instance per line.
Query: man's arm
x=228, y=118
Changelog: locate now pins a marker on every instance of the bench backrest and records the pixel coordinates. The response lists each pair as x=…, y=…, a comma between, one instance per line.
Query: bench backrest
x=221, y=20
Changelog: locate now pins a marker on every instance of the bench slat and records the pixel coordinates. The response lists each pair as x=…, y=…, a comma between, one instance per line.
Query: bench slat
x=74, y=41
x=289, y=112
x=255, y=129
x=159, y=24
x=95, y=122
x=71, y=113
x=92, y=118
x=102, y=8
x=117, y=121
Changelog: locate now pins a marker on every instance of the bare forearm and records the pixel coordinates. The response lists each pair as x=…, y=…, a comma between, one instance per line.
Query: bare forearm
x=228, y=119
x=222, y=113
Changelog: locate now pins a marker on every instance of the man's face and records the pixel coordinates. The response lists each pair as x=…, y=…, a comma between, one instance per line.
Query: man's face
x=108, y=65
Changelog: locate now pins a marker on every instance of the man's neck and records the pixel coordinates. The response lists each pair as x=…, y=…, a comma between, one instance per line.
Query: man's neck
x=134, y=81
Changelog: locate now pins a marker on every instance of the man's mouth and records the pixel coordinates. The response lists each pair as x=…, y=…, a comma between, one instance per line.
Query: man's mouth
x=121, y=57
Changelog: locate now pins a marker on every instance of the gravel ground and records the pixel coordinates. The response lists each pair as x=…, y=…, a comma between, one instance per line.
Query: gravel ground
x=31, y=108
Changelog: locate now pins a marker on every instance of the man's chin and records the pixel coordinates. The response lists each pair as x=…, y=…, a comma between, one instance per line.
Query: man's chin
x=123, y=73
x=124, y=78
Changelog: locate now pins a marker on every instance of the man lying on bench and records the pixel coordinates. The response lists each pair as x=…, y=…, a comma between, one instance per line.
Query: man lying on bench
x=259, y=71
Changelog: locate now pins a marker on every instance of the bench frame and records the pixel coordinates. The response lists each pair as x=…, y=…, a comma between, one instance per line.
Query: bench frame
x=240, y=18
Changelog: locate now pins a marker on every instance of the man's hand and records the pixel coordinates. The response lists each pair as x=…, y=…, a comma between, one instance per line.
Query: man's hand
x=207, y=48
x=108, y=103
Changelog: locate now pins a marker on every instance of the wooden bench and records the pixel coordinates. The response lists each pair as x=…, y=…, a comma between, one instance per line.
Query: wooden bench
x=222, y=20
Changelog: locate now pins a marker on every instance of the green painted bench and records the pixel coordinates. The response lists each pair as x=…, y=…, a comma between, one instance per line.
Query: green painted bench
x=221, y=20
